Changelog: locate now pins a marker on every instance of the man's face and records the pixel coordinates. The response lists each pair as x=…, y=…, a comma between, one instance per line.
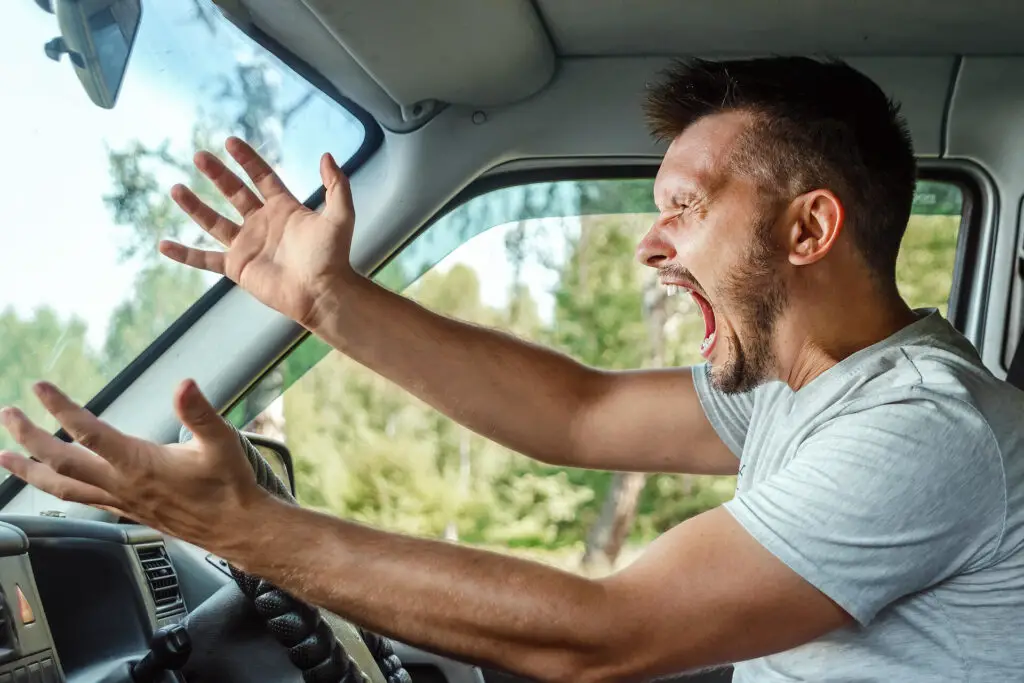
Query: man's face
x=714, y=238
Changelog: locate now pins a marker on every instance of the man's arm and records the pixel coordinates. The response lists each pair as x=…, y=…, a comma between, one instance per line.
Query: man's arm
x=866, y=512
x=529, y=398
x=703, y=594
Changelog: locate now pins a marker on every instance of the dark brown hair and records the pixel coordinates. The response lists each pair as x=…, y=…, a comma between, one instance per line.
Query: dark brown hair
x=815, y=124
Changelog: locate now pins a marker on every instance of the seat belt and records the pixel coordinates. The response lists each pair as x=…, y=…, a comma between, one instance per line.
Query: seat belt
x=1015, y=375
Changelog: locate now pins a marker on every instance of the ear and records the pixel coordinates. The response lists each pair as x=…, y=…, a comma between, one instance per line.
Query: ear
x=818, y=219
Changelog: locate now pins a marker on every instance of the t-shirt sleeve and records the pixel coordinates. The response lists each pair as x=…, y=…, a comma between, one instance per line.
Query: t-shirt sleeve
x=883, y=502
x=729, y=414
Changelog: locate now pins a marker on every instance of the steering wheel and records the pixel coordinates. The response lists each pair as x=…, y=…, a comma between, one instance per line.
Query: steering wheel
x=310, y=642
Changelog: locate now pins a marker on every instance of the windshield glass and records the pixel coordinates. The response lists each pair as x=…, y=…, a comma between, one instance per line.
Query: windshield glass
x=83, y=289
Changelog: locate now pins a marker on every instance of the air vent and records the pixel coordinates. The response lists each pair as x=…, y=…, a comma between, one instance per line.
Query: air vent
x=163, y=581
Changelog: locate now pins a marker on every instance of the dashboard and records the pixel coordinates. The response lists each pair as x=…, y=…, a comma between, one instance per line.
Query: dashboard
x=90, y=572
x=81, y=600
x=26, y=646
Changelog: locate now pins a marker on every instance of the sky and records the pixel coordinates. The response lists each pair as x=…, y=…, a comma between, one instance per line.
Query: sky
x=486, y=254
x=59, y=246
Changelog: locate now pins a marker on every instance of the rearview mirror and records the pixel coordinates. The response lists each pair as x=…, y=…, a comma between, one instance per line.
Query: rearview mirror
x=97, y=36
x=277, y=454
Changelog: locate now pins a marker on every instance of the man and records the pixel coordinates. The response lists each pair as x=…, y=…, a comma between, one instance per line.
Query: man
x=877, y=529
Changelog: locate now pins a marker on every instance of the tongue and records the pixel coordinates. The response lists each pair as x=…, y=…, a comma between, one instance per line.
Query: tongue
x=705, y=310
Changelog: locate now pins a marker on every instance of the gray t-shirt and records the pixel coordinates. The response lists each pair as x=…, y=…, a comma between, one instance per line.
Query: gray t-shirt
x=894, y=483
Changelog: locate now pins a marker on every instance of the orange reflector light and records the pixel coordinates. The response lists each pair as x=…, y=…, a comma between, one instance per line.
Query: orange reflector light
x=27, y=617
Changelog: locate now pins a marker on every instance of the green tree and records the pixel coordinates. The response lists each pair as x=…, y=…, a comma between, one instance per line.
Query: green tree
x=368, y=450
x=44, y=346
x=598, y=303
x=924, y=269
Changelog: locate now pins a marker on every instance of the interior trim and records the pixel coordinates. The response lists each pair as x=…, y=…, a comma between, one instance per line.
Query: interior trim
x=478, y=54
x=1014, y=321
x=944, y=124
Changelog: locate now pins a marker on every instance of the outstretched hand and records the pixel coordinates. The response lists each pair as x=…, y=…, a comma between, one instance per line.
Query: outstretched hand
x=287, y=256
x=284, y=254
x=193, y=491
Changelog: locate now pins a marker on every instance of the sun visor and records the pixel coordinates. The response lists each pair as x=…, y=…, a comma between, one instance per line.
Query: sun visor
x=402, y=59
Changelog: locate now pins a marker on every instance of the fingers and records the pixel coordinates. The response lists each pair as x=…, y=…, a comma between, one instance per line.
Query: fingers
x=229, y=184
x=219, y=227
x=43, y=477
x=83, y=426
x=203, y=259
x=198, y=415
x=267, y=182
x=63, y=458
x=338, y=207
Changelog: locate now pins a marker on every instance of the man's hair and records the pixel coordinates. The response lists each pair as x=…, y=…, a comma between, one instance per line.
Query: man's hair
x=815, y=124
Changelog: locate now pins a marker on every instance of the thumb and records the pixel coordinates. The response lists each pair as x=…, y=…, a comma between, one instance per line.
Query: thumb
x=198, y=416
x=338, y=207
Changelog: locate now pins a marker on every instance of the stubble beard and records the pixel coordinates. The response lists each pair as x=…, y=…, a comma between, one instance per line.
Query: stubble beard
x=756, y=296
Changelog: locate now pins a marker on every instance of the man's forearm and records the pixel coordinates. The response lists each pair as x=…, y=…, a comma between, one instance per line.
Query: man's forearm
x=519, y=394
x=470, y=604
x=526, y=397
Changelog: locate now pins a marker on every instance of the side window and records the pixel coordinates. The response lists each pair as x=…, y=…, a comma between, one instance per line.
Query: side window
x=924, y=270
x=551, y=263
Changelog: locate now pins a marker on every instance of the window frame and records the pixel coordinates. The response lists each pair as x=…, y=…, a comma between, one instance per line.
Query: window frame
x=969, y=293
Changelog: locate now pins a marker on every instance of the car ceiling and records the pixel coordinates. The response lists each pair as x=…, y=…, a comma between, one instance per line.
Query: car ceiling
x=402, y=60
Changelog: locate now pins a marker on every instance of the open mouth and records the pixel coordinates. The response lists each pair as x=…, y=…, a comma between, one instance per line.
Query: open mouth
x=706, y=311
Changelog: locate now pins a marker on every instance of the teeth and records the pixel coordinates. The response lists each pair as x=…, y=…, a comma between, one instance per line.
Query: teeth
x=707, y=342
x=672, y=289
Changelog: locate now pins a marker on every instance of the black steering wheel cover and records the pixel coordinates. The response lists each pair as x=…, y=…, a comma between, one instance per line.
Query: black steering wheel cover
x=298, y=626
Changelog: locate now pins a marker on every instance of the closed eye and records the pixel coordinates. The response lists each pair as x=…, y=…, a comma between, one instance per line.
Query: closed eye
x=674, y=213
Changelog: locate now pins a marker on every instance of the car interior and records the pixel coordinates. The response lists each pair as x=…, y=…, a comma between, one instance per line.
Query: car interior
x=452, y=100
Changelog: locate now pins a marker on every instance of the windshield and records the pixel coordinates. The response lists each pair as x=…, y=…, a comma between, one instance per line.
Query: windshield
x=83, y=290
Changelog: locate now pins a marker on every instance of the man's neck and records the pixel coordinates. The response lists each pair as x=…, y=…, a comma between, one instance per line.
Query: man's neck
x=824, y=333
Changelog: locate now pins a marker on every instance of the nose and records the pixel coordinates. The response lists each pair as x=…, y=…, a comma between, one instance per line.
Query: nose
x=654, y=250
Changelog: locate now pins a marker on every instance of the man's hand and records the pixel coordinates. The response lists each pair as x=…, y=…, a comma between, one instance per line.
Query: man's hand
x=284, y=254
x=200, y=491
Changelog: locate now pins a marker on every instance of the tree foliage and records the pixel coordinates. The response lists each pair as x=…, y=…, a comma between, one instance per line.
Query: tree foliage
x=43, y=345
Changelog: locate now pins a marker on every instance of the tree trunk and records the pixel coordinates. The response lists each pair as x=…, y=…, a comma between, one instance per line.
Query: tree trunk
x=270, y=421
x=451, y=531
x=618, y=511
x=609, y=533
